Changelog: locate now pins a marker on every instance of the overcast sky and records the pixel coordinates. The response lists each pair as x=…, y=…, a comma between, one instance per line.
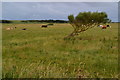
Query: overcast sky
x=55, y=10
x=59, y=0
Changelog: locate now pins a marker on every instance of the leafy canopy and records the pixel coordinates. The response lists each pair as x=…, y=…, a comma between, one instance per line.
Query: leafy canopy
x=89, y=17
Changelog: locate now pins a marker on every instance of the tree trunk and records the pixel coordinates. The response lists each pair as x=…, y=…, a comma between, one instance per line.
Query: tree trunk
x=74, y=33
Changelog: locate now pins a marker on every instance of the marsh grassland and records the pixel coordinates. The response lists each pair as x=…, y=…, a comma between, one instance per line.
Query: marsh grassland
x=43, y=53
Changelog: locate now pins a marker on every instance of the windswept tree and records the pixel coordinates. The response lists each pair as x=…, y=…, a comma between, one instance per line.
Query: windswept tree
x=86, y=20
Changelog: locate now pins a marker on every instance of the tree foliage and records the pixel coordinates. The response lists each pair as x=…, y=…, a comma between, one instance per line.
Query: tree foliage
x=86, y=20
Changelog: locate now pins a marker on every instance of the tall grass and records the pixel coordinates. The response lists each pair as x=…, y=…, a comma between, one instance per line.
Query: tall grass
x=0, y=51
x=42, y=52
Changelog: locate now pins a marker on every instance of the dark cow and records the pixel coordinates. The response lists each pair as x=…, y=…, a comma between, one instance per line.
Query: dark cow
x=45, y=26
x=108, y=25
x=24, y=29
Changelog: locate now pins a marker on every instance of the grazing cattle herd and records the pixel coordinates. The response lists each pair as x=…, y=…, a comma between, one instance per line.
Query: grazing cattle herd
x=45, y=26
x=104, y=26
x=12, y=28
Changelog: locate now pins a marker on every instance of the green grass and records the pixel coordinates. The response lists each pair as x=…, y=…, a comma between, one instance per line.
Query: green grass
x=0, y=51
x=42, y=52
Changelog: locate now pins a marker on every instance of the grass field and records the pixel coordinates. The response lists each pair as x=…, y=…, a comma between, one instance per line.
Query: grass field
x=0, y=51
x=42, y=52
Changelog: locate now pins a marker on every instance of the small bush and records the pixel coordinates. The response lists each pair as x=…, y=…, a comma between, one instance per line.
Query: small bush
x=50, y=24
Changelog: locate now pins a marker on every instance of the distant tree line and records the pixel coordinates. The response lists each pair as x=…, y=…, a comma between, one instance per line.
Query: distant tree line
x=47, y=21
x=5, y=21
x=34, y=21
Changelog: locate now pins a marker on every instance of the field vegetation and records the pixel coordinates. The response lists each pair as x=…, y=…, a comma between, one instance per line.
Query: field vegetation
x=43, y=53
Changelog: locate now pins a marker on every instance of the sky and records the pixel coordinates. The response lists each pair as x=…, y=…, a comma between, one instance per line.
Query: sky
x=59, y=0
x=55, y=10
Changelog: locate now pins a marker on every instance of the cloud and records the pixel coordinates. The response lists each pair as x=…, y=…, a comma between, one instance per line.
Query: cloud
x=60, y=0
x=55, y=10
